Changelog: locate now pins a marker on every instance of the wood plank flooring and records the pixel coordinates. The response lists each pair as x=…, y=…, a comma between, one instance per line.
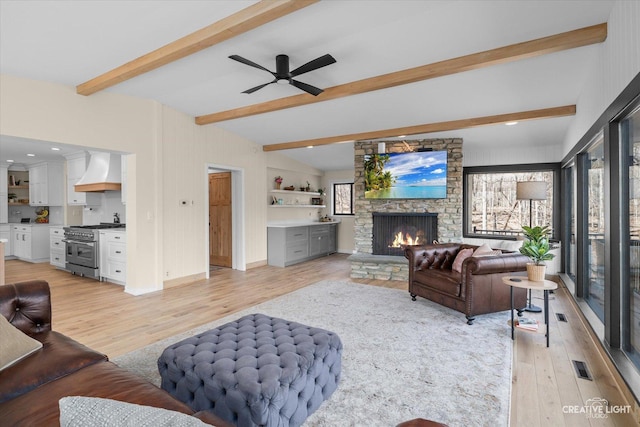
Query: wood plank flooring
x=103, y=317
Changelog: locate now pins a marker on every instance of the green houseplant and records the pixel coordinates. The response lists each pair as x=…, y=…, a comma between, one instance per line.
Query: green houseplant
x=536, y=247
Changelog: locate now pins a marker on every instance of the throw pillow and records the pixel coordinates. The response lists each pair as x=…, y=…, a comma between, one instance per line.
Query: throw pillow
x=483, y=250
x=16, y=345
x=511, y=245
x=462, y=255
x=78, y=411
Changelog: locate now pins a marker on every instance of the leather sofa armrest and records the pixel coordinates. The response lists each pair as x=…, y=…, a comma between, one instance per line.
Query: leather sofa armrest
x=495, y=264
x=27, y=305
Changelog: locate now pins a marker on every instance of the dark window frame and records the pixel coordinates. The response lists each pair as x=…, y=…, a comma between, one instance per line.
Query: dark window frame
x=529, y=167
x=333, y=199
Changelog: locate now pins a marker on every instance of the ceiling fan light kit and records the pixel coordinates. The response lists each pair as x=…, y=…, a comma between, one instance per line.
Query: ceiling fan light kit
x=282, y=75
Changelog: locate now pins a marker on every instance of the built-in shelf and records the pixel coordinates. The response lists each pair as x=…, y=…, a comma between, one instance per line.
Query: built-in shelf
x=18, y=187
x=307, y=193
x=297, y=206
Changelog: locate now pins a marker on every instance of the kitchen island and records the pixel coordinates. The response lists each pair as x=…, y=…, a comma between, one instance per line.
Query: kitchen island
x=293, y=242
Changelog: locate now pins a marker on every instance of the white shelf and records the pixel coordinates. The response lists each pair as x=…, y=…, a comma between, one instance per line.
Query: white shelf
x=308, y=193
x=297, y=206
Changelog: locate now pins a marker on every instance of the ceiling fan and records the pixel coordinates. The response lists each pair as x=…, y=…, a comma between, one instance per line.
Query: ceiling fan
x=283, y=75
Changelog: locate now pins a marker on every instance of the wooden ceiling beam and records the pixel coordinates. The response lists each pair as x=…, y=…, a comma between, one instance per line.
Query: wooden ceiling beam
x=545, y=113
x=240, y=22
x=529, y=49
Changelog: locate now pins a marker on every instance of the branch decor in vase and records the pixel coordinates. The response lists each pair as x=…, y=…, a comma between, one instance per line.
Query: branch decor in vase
x=536, y=247
x=278, y=182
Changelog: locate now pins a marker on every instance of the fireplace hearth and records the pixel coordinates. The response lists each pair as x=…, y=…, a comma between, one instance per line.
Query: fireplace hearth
x=392, y=231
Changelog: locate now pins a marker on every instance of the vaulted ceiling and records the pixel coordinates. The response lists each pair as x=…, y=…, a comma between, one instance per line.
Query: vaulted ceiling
x=425, y=68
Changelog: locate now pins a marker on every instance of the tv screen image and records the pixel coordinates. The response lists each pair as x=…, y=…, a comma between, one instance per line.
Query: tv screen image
x=415, y=175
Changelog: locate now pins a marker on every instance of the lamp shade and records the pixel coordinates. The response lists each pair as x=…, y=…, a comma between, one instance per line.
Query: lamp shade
x=531, y=190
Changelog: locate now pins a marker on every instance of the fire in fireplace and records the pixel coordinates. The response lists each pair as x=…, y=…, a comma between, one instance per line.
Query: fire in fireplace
x=392, y=231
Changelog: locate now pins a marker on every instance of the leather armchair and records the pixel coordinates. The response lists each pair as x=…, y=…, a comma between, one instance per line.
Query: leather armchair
x=477, y=289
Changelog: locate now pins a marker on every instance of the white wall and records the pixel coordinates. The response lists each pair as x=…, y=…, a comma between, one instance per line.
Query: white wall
x=346, y=230
x=617, y=64
x=169, y=154
x=296, y=174
x=487, y=156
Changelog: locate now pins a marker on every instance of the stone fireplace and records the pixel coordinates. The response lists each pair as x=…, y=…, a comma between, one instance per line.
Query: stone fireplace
x=364, y=263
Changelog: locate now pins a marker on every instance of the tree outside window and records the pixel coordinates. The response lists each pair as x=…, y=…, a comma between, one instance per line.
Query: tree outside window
x=343, y=199
x=493, y=208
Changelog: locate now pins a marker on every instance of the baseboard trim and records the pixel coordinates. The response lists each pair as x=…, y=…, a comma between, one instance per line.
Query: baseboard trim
x=183, y=280
x=256, y=264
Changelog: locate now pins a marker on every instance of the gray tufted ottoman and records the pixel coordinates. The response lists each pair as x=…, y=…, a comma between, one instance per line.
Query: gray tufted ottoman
x=255, y=371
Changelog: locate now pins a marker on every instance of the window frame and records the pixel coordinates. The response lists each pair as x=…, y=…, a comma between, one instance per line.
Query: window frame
x=467, y=172
x=333, y=198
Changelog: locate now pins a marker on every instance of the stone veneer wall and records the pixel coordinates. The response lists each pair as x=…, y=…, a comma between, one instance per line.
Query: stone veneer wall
x=449, y=210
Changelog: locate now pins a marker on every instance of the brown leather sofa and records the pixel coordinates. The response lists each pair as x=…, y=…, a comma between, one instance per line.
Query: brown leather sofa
x=31, y=388
x=477, y=289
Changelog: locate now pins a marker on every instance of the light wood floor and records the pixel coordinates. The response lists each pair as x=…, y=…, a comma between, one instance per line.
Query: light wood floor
x=103, y=317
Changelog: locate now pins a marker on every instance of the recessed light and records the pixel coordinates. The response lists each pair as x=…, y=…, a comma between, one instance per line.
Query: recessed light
x=55, y=149
x=402, y=136
x=9, y=161
x=511, y=123
x=31, y=155
x=309, y=146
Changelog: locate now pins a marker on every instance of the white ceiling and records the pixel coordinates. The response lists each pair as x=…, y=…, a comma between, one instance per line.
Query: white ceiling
x=70, y=42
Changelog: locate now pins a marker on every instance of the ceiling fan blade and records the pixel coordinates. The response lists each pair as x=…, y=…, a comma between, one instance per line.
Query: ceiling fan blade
x=250, y=63
x=253, y=89
x=320, y=62
x=307, y=88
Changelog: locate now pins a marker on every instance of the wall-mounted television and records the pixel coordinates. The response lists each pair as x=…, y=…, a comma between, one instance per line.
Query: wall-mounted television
x=414, y=175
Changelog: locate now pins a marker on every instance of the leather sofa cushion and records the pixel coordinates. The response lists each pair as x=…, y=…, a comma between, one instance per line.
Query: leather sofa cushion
x=104, y=379
x=59, y=356
x=445, y=281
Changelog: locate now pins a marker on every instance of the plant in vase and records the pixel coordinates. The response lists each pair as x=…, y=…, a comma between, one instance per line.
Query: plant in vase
x=536, y=247
x=278, y=182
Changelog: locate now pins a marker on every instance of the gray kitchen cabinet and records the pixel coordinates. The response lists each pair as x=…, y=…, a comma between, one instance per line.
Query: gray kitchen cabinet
x=291, y=245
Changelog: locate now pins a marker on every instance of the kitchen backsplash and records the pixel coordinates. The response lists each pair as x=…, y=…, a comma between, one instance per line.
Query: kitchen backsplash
x=110, y=203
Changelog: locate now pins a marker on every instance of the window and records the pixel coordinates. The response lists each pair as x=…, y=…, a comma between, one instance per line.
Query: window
x=343, y=198
x=594, y=285
x=491, y=206
x=630, y=138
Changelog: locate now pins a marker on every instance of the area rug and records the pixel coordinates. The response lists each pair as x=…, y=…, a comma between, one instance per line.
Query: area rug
x=402, y=359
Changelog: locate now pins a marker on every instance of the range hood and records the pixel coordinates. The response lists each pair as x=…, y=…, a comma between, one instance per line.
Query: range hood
x=103, y=173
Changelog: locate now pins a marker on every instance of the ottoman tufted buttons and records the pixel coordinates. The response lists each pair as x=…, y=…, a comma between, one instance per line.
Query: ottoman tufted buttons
x=17, y=308
x=282, y=369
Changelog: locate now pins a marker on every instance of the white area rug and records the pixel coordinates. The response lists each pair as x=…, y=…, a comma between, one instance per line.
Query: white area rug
x=401, y=359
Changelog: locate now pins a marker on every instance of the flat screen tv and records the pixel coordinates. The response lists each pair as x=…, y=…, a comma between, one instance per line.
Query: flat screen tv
x=415, y=175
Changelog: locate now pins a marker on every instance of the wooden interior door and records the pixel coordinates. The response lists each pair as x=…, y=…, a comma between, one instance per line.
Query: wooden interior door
x=220, y=245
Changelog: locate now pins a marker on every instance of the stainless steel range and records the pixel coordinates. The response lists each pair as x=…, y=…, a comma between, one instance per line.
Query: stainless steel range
x=82, y=248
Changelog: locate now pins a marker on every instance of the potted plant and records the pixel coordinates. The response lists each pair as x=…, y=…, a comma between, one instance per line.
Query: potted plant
x=536, y=246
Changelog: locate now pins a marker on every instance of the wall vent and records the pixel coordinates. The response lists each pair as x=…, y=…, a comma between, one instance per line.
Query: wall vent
x=561, y=317
x=581, y=370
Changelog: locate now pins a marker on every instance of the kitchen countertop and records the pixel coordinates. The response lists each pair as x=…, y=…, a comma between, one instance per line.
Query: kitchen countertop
x=288, y=224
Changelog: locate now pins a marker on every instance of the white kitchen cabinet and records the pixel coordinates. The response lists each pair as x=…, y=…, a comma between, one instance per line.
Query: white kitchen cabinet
x=4, y=193
x=76, y=166
x=57, y=255
x=30, y=242
x=46, y=186
x=5, y=233
x=113, y=256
